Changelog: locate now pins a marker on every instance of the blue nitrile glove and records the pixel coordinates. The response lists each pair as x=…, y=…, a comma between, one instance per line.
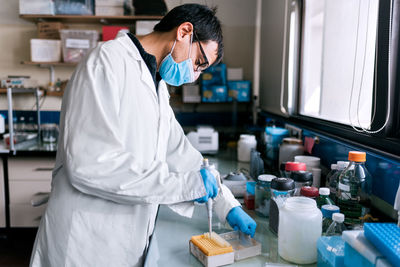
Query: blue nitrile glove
x=239, y=220
x=210, y=183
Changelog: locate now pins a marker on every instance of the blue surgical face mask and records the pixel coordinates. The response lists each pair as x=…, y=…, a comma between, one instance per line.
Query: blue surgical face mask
x=175, y=73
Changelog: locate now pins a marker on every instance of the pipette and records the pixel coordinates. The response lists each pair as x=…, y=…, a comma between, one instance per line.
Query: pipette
x=210, y=200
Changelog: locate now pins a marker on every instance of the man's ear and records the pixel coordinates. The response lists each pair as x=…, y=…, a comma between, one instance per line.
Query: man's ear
x=183, y=30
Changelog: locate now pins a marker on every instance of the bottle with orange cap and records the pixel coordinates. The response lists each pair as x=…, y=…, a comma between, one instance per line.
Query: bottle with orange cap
x=354, y=190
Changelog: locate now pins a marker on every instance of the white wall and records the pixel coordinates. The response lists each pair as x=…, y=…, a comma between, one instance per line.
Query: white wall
x=237, y=18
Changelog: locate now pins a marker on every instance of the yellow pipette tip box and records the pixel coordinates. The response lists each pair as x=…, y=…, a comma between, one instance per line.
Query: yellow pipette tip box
x=214, y=251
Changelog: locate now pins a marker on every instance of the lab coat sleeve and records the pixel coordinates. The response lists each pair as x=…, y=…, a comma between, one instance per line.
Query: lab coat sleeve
x=182, y=157
x=96, y=160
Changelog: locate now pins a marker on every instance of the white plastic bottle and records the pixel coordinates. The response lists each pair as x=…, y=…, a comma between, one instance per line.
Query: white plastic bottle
x=245, y=144
x=300, y=226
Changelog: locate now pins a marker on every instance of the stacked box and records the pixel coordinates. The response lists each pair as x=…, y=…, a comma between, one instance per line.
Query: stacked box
x=50, y=30
x=239, y=90
x=213, y=84
x=109, y=7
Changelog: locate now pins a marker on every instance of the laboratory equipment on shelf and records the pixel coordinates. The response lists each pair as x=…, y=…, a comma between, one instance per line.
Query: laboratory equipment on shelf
x=263, y=194
x=300, y=226
x=49, y=133
x=20, y=137
x=246, y=143
x=281, y=190
x=310, y=192
x=301, y=179
x=204, y=139
x=327, y=212
x=354, y=190
x=337, y=226
x=323, y=198
x=290, y=148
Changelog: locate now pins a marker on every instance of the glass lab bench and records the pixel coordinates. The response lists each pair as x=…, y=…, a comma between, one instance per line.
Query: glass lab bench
x=169, y=245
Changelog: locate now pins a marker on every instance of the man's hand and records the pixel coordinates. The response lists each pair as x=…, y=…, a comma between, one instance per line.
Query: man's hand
x=239, y=220
x=210, y=183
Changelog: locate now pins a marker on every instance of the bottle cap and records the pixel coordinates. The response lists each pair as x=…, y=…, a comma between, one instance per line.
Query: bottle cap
x=266, y=177
x=295, y=166
x=329, y=210
x=324, y=191
x=357, y=156
x=334, y=166
x=342, y=165
x=309, y=191
x=282, y=184
x=302, y=176
x=338, y=217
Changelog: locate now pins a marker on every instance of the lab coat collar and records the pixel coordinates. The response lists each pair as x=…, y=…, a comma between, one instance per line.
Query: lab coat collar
x=133, y=51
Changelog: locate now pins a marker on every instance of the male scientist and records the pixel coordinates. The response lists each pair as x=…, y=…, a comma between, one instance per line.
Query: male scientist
x=121, y=152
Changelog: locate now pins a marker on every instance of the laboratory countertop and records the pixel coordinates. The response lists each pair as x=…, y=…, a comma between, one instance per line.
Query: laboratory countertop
x=169, y=245
x=30, y=148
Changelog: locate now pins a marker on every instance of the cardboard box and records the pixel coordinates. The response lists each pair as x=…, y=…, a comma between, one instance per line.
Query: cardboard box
x=235, y=74
x=144, y=27
x=50, y=30
x=215, y=75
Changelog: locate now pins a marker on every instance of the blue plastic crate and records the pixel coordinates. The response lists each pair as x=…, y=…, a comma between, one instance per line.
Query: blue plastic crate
x=214, y=93
x=354, y=259
x=330, y=251
x=386, y=238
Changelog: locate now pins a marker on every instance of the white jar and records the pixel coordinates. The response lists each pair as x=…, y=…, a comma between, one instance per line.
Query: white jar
x=290, y=148
x=300, y=226
x=245, y=144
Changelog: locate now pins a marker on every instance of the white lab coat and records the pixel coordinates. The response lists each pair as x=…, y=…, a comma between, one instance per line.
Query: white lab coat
x=121, y=153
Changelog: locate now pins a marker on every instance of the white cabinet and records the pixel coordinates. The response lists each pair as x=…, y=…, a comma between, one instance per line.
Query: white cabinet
x=2, y=197
x=29, y=185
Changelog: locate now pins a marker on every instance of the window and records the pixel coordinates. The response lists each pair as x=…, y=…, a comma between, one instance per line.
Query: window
x=338, y=60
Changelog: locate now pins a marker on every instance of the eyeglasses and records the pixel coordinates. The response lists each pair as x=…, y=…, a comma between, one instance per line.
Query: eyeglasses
x=201, y=66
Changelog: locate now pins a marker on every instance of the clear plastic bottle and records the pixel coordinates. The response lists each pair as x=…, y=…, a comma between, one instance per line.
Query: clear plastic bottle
x=337, y=227
x=333, y=180
x=327, y=212
x=323, y=198
x=354, y=190
x=334, y=169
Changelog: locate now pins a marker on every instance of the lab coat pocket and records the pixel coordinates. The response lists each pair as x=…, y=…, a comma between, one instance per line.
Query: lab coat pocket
x=99, y=239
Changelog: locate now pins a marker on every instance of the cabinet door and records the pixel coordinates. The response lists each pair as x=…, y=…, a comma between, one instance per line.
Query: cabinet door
x=29, y=186
x=30, y=169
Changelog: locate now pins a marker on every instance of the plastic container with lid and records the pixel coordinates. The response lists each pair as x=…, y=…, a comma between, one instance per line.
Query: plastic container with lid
x=354, y=190
x=324, y=198
x=77, y=43
x=245, y=144
x=300, y=226
x=309, y=191
x=281, y=190
x=290, y=148
x=337, y=226
x=263, y=194
x=327, y=212
x=292, y=166
x=301, y=178
x=273, y=138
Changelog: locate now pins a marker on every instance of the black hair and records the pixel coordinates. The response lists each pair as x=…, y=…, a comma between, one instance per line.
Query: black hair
x=206, y=25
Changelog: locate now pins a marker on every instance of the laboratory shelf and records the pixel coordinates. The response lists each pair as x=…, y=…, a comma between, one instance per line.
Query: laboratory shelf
x=66, y=64
x=88, y=18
